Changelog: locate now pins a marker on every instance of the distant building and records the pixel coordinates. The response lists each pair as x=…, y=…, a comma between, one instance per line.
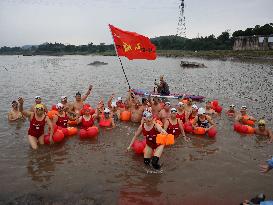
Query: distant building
x=253, y=43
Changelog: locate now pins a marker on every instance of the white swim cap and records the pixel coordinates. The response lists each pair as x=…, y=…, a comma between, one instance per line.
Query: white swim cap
x=106, y=110
x=119, y=98
x=59, y=105
x=194, y=107
x=201, y=111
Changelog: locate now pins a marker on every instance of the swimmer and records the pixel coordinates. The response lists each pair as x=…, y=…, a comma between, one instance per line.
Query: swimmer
x=79, y=101
x=181, y=113
x=14, y=113
x=263, y=131
x=37, y=119
x=156, y=107
x=174, y=125
x=136, y=112
x=106, y=119
x=243, y=117
x=150, y=129
x=165, y=113
x=203, y=120
x=38, y=100
x=61, y=118
x=231, y=112
x=192, y=115
x=65, y=103
x=264, y=168
x=209, y=110
x=87, y=120
x=188, y=106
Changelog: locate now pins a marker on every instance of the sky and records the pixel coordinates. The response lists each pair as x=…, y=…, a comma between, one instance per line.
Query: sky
x=78, y=22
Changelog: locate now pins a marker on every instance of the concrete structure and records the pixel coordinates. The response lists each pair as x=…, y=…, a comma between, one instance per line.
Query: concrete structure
x=253, y=43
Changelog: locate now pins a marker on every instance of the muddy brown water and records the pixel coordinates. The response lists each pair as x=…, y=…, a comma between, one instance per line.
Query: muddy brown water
x=99, y=171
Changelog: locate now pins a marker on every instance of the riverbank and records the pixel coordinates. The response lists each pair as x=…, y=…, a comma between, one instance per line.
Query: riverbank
x=220, y=54
x=257, y=56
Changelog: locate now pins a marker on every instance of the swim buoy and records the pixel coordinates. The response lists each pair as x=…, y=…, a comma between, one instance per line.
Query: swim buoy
x=138, y=146
x=46, y=139
x=188, y=127
x=165, y=139
x=246, y=129
x=58, y=136
x=51, y=114
x=212, y=132
x=72, y=131
x=214, y=103
x=105, y=123
x=72, y=122
x=199, y=131
x=83, y=133
x=64, y=130
x=92, y=131
x=218, y=109
x=125, y=115
x=53, y=107
x=246, y=121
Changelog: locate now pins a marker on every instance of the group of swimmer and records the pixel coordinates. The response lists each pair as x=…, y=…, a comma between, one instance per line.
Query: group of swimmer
x=155, y=116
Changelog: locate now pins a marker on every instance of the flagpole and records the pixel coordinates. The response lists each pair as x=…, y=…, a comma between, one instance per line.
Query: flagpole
x=120, y=60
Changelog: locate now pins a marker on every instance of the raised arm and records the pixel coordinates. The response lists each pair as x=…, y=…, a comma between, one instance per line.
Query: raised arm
x=109, y=102
x=137, y=133
x=21, y=108
x=87, y=93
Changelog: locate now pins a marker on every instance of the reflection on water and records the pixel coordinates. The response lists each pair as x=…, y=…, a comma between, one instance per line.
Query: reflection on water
x=41, y=167
x=100, y=170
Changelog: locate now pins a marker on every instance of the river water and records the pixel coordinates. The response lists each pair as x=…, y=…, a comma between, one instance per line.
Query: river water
x=99, y=171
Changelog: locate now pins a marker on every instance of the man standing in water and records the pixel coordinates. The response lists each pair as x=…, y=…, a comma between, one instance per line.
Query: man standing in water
x=78, y=104
x=162, y=87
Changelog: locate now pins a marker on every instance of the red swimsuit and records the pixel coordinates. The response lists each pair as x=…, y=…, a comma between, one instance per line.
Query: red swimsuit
x=62, y=121
x=36, y=128
x=182, y=117
x=174, y=129
x=87, y=123
x=150, y=136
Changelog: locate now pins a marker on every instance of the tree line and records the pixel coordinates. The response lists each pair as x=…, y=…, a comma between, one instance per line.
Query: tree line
x=222, y=42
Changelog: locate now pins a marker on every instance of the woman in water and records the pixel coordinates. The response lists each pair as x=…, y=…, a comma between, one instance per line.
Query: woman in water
x=263, y=131
x=150, y=129
x=203, y=120
x=87, y=120
x=231, y=112
x=181, y=113
x=106, y=119
x=61, y=118
x=190, y=116
x=174, y=125
x=244, y=117
x=14, y=113
x=38, y=119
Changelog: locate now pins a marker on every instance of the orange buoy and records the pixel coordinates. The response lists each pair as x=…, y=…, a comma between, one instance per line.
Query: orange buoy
x=169, y=139
x=72, y=131
x=51, y=114
x=125, y=115
x=199, y=131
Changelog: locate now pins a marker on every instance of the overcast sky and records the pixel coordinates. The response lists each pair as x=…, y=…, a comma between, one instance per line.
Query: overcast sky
x=82, y=21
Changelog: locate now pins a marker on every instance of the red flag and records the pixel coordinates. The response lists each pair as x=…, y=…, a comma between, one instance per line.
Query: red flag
x=133, y=45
